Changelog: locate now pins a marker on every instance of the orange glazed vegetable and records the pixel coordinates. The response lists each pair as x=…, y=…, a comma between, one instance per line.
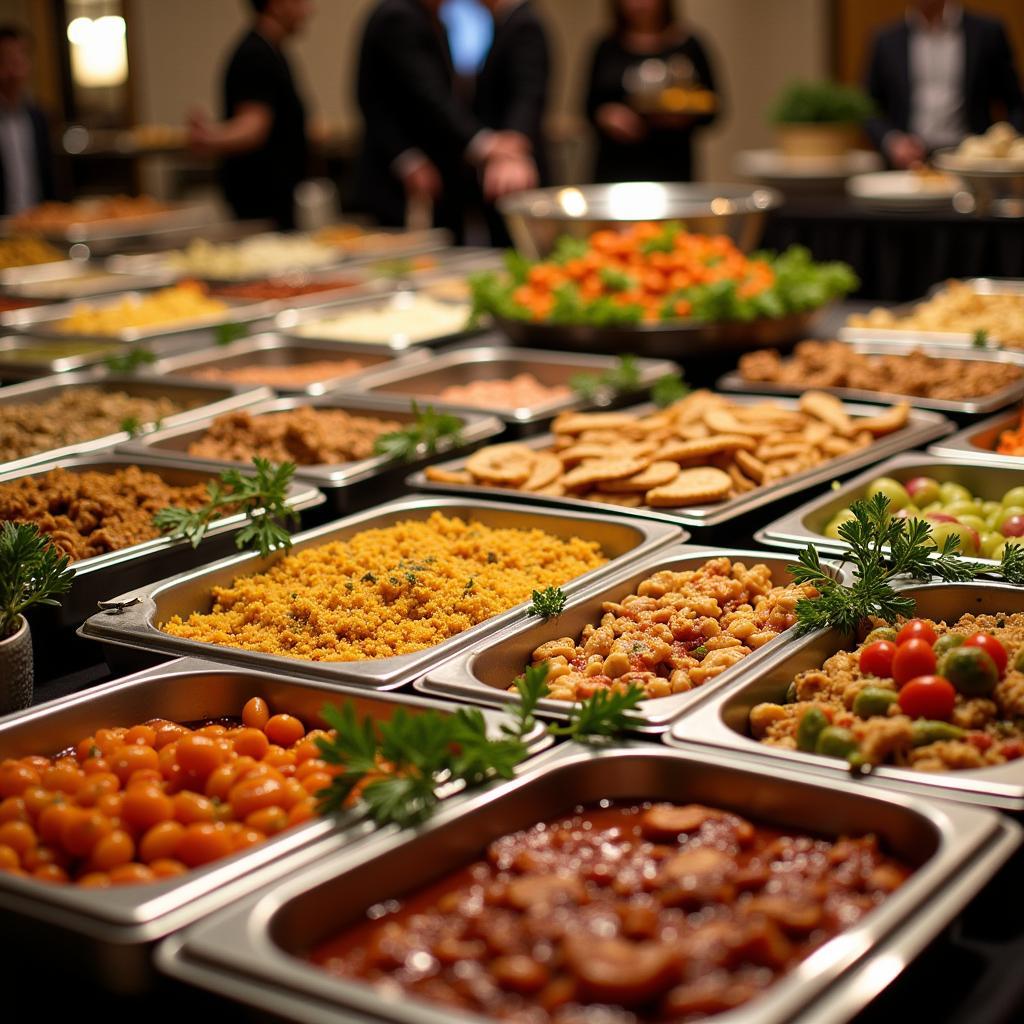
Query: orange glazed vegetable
x=1011, y=442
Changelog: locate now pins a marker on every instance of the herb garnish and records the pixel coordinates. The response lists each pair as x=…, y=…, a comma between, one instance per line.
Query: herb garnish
x=262, y=497
x=910, y=553
x=621, y=379
x=980, y=338
x=669, y=389
x=423, y=436
x=33, y=570
x=130, y=361
x=229, y=332
x=402, y=763
x=547, y=603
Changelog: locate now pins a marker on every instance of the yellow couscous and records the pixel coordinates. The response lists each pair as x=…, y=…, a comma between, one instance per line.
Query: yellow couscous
x=387, y=592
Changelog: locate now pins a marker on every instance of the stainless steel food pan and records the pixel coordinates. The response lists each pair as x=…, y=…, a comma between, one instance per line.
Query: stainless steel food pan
x=199, y=398
x=957, y=339
x=722, y=721
x=107, y=934
x=135, y=627
x=734, y=381
x=921, y=428
x=73, y=279
x=484, y=673
x=176, y=217
x=255, y=951
x=44, y=319
x=427, y=379
x=806, y=525
x=273, y=350
x=98, y=577
x=977, y=443
x=301, y=324
x=347, y=484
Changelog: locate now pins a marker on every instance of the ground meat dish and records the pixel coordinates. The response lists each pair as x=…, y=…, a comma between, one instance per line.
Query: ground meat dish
x=296, y=375
x=620, y=915
x=989, y=729
x=833, y=364
x=90, y=513
x=679, y=630
x=305, y=436
x=75, y=416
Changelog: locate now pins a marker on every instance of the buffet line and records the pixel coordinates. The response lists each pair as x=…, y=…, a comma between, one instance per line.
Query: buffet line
x=449, y=685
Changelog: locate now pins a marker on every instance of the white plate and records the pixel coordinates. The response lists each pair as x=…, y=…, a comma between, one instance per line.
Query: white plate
x=904, y=189
x=773, y=165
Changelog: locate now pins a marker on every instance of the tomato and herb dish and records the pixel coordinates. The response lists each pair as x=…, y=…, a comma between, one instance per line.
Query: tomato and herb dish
x=657, y=273
x=929, y=696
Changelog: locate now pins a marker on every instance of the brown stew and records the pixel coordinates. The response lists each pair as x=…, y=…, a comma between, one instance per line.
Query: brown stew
x=654, y=912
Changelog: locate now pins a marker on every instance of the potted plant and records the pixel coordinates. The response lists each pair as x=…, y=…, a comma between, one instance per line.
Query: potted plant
x=32, y=572
x=819, y=119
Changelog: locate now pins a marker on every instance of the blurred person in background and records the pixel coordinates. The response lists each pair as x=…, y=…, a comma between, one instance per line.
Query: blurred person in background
x=26, y=159
x=935, y=76
x=262, y=141
x=646, y=146
x=419, y=139
x=511, y=95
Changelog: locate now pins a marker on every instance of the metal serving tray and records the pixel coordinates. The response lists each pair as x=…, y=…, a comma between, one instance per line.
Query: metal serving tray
x=963, y=339
x=291, y=320
x=425, y=380
x=734, y=381
x=271, y=349
x=922, y=427
x=254, y=952
x=177, y=217
x=97, y=577
x=107, y=934
x=44, y=319
x=134, y=628
x=977, y=443
x=482, y=674
x=210, y=400
x=721, y=721
x=73, y=279
x=805, y=525
x=348, y=485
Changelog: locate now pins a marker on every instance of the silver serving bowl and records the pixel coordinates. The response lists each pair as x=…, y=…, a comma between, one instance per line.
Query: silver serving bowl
x=996, y=185
x=537, y=219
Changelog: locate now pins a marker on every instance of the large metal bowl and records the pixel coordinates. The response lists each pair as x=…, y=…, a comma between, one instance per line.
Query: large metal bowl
x=537, y=219
x=996, y=184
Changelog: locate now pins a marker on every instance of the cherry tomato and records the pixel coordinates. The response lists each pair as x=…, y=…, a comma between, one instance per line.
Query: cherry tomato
x=161, y=841
x=167, y=867
x=284, y=730
x=12, y=808
x=133, y=757
x=131, y=874
x=15, y=777
x=9, y=859
x=251, y=743
x=146, y=805
x=203, y=843
x=913, y=658
x=876, y=659
x=916, y=629
x=256, y=713
x=992, y=647
x=19, y=836
x=144, y=734
x=84, y=830
x=254, y=794
x=95, y=880
x=50, y=873
x=928, y=696
x=199, y=755
x=112, y=851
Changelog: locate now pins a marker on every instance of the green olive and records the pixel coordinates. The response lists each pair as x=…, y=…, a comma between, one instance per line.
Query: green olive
x=1014, y=496
x=881, y=633
x=991, y=508
x=926, y=491
x=832, y=528
x=892, y=489
x=991, y=541
x=970, y=670
x=946, y=643
x=1001, y=550
x=873, y=700
x=924, y=732
x=812, y=723
x=834, y=741
x=962, y=508
x=974, y=521
x=951, y=492
x=965, y=540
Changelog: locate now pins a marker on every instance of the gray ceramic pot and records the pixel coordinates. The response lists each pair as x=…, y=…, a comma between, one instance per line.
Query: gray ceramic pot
x=16, y=670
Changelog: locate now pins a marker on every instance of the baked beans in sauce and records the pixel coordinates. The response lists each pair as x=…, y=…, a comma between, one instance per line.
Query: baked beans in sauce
x=655, y=913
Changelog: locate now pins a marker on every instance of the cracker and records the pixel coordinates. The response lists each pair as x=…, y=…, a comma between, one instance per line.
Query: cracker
x=622, y=500
x=750, y=466
x=507, y=465
x=773, y=452
x=657, y=474
x=448, y=476
x=740, y=482
x=722, y=421
x=547, y=468
x=886, y=422
x=615, y=450
x=827, y=408
x=702, y=447
x=586, y=474
x=692, y=487
x=834, y=446
x=578, y=422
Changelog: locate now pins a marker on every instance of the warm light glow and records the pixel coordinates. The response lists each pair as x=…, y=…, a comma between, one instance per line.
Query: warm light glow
x=99, y=51
x=573, y=202
x=637, y=200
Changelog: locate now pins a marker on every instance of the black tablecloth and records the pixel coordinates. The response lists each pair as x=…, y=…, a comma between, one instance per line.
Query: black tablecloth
x=899, y=256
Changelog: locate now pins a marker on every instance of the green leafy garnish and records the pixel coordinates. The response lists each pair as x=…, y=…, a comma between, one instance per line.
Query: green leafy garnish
x=548, y=603
x=665, y=241
x=132, y=426
x=882, y=548
x=622, y=378
x=33, y=571
x=398, y=766
x=227, y=333
x=262, y=497
x=423, y=436
x=980, y=338
x=669, y=389
x=130, y=361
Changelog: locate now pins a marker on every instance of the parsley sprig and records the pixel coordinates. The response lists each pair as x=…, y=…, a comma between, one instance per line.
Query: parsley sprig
x=623, y=378
x=547, y=603
x=130, y=361
x=428, y=431
x=399, y=768
x=263, y=497
x=882, y=548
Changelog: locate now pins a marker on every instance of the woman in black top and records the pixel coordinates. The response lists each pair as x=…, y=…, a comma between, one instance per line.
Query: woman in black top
x=634, y=146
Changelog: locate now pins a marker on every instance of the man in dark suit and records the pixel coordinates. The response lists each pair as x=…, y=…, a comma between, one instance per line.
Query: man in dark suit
x=935, y=77
x=418, y=138
x=511, y=94
x=26, y=158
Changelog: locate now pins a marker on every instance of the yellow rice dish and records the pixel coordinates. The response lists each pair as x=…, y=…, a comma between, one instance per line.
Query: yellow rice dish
x=387, y=592
x=178, y=304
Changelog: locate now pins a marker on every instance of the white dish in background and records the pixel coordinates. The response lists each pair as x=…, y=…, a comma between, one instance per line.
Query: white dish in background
x=904, y=189
x=772, y=165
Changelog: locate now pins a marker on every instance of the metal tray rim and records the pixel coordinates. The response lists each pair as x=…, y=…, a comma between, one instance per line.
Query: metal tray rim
x=959, y=445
